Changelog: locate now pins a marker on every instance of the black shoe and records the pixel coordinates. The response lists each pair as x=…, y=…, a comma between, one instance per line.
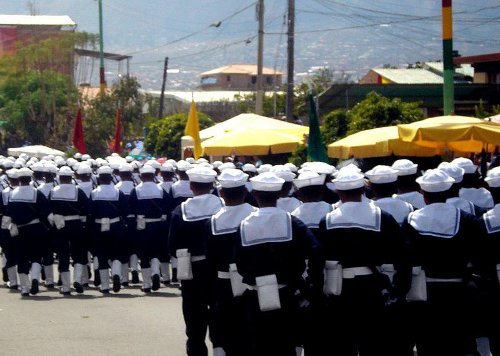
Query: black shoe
x=78, y=287
x=105, y=291
x=26, y=294
x=59, y=282
x=135, y=277
x=89, y=272
x=86, y=285
x=116, y=283
x=146, y=290
x=15, y=287
x=97, y=278
x=166, y=283
x=124, y=284
x=50, y=286
x=156, y=282
x=34, y=287
x=174, y=275
x=43, y=274
x=65, y=293
x=5, y=276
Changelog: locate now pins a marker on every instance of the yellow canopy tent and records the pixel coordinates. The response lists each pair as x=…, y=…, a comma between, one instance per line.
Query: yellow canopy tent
x=246, y=141
x=378, y=142
x=457, y=133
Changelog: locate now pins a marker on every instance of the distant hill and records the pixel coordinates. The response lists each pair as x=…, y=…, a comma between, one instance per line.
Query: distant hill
x=348, y=36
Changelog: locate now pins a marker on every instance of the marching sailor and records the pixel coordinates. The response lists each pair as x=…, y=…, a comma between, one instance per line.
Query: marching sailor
x=408, y=189
x=470, y=189
x=167, y=172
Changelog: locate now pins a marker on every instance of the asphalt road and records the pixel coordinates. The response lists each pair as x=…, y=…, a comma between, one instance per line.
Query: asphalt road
x=126, y=323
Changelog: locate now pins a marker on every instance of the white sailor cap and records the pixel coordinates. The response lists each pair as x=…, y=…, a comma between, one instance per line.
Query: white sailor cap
x=172, y=162
x=465, y=163
x=7, y=163
x=226, y=165
x=190, y=160
x=24, y=172
x=84, y=169
x=201, y=174
x=308, y=178
x=292, y=167
x=267, y=182
x=202, y=160
x=129, y=159
x=283, y=172
x=77, y=155
x=19, y=163
x=38, y=167
x=66, y=171
x=348, y=178
x=12, y=173
x=265, y=168
x=125, y=167
x=183, y=165
x=232, y=178
x=136, y=164
x=167, y=167
x=60, y=162
x=454, y=171
x=217, y=164
x=147, y=169
x=435, y=180
x=51, y=168
x=71, y=161
x=493, y=177
x=382, y=174
x=405, y=167
x=115, y=165
x=104, y=170
x=319, y=167
x=248, y=167
x=154, y=163
x=85, y=157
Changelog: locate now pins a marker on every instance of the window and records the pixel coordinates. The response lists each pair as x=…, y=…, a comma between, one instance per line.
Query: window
x=254, y=79
x=228, y=78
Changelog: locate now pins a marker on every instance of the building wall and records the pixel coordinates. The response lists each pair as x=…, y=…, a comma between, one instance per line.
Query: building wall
x=373, y=77
x=239, y=82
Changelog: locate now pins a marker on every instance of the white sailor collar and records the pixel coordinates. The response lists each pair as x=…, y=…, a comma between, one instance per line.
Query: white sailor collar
x=437, y=219
x=45, y=188
x=312, y=213
x=492, y=219
x=200, y=207
x=360, y=215
x=398, y=208
x=416, y=199
x=228, y=219
x=182, y=189
x=125, y=186
x=288, y=203
x=478, y=196
x=67, y=192
x=148, y=190
x=106, y=192
x=6, y=195
x=364, y=199
x=266, y=225
x=86, y=187
x=462, y=204
x=23, y=194
x=166, y=185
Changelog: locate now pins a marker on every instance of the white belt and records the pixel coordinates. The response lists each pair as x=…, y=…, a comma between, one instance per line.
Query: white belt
x=198, y=258
x=34, y=221
x=71, y=217
x=131, y=216
x=111, y=221
x=351, y=272
x=444, y=280
x=154, y=220
x=223, y=275
x=249, y=287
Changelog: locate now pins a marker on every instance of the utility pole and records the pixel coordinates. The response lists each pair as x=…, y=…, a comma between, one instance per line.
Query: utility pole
x=102, y=79
x=448, y=69
x=162, y=95
x=259, y=101
x=290, y=60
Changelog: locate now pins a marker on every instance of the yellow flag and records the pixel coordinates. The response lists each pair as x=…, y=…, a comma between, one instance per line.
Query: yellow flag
x=193, y=129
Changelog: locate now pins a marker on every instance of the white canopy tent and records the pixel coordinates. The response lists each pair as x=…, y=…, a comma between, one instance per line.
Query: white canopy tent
x=37, y=151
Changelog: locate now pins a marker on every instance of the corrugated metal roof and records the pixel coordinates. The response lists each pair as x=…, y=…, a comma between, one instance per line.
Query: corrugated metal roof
x=249, y=69
x=464, y=69
x=28, y=20
x=202, y=96
x=409, y=76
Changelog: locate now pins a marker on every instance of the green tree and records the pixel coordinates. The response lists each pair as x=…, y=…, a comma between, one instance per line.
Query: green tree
x=335, y=125
x=378, y=111
x=164, y=136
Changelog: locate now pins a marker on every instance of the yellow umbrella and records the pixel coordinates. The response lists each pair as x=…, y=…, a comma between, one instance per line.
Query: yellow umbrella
x=378, y=142
x=454, y=132
x=251, y=142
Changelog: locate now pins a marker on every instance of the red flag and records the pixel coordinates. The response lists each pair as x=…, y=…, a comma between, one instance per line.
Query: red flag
x=117, y=147
x=78, y=140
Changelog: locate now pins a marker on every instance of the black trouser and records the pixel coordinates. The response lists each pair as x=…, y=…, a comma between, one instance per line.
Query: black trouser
x=70, y=244
x=195, y=308
x=150, y=242
x=111, y=245
x=9, y=247
x=32, y=246
x=228, y=327
x=272, y=333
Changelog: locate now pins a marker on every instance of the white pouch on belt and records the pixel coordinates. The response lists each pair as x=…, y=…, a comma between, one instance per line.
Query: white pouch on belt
x=105, y=224
x=333, y=278
x=59, y=221
x=388, y=270
x=236, y=279
x=268, y=292
x=6, y=221
x=141, y=222
x=184, y=267
x=498, y=272
x=418, y=289
x=13, y=230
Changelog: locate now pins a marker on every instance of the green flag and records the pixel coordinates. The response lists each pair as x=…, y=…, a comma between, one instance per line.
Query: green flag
x=315, y=148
